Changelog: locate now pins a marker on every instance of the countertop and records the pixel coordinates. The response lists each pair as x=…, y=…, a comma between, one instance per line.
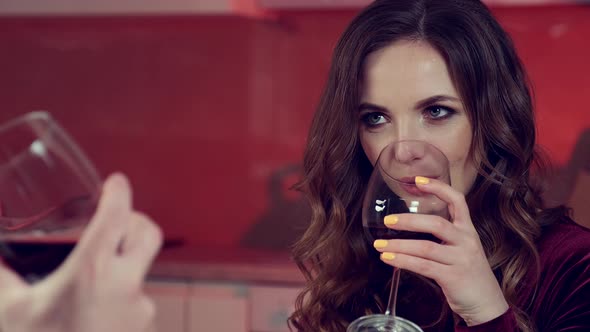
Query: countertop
x=230, y=264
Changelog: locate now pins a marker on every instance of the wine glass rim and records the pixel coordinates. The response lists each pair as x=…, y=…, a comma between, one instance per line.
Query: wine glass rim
x=34, y=115
x=398, y=180
x=52, y=127
x=378, y=163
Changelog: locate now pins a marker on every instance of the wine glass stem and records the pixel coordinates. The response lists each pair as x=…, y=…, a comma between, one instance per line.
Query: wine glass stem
x=393, y=292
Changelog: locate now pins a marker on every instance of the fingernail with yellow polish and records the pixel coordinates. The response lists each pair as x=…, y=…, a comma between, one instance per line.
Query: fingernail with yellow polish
x=388, y=256
x=421, y=180
x=390, y=220
x=379, y=244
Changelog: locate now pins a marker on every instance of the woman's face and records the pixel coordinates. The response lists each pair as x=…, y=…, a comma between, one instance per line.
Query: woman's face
x=408, y=95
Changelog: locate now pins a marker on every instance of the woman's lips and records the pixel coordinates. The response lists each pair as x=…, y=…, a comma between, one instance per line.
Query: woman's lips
x=411, y=189
x=409, y=185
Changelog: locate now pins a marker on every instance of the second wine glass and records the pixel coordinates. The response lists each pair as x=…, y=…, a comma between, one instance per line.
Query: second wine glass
x=392, y=190
x=48, y=193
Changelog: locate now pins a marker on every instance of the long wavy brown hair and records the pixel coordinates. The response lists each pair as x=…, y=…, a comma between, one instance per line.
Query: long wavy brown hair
x=345, y=278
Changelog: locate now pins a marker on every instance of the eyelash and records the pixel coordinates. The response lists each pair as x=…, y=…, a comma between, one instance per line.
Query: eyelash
x=450, y=112
x=366, y=116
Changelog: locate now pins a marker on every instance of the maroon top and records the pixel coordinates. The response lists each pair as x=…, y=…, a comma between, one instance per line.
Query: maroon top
x=562, y=301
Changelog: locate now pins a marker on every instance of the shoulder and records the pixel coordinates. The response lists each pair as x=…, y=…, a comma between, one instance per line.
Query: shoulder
x=563, y=290
x=564, y=253
x=564, y=247
x=562, y=239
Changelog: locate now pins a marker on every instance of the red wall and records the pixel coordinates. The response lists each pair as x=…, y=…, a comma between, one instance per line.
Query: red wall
x=200, y=111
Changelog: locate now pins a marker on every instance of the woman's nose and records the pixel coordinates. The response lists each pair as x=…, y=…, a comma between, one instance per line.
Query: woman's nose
x=406, y=152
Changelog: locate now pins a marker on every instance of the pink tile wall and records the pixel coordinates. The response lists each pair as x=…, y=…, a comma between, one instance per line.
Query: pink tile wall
x=202, y=111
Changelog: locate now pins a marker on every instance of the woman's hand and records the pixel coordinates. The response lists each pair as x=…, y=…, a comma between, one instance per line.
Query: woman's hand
x=458, y=264
x=99, y=287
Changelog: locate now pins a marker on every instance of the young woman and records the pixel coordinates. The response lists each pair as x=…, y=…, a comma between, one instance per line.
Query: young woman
x=444, y=72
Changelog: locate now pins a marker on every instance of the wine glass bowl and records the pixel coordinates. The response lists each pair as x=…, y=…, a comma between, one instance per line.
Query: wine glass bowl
x=392, y=189
x=48, y=192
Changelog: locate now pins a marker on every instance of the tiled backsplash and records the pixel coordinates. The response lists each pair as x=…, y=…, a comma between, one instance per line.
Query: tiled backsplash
x=209, y=115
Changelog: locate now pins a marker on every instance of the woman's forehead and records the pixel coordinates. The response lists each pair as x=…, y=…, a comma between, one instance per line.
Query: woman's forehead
x=411, y=70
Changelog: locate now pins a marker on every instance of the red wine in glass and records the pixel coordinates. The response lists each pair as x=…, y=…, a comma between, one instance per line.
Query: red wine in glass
x=34, y=259
x=34, y=255
x=393, y=204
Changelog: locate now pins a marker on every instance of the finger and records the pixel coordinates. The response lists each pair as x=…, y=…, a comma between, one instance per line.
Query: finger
x=9, y=280
x=417, y=248
x=441, y=228
x=457, y=206
x=424, y=267
x=109, y=223
x=142, y=243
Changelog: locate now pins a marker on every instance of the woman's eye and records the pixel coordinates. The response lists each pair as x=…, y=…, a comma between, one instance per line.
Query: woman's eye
x=373, y=119
x=438, y=112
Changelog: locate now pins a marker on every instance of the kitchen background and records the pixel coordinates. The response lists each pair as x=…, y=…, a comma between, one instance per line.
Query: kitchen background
x=207, y=109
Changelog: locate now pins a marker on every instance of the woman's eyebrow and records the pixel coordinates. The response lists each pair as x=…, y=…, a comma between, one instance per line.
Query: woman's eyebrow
x=371, y=107
x=435, y=99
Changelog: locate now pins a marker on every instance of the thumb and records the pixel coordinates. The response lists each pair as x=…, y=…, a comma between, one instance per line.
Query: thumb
x=107, y=227
x=9, y=280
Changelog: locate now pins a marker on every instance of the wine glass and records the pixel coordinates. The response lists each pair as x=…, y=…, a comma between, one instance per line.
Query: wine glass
x=48, y=192
x=392, y=190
